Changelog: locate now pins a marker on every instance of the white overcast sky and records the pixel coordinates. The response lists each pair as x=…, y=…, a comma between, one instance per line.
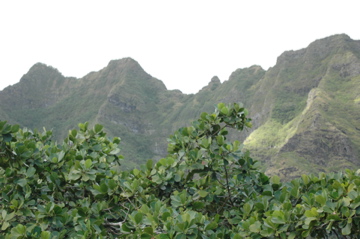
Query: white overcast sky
x=183, y=43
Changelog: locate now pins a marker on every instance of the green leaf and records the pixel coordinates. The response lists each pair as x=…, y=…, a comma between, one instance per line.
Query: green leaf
x=346, y=230
x=30, y=172
x=320, y=199
x=149, y=164
x=116, y=140
x=22, y=182
x=247, y=208
x=60, y=155
x=45, y=235
x=260, y=206
x=256, y=227
x=112, y=184
x=180, y=236
x=2, y=124
x=275, y=179
x=126, y=227
x=5, y=225
x=136, y=172
x=54, y=160
x=308, y=220
x=311, y=213
x=98, y=128
x=211, y=226
x=203, y=115
x=73, y=132
x=83, y=127
x=177, y=177
x=138, y=217
x=146, y=236
x=295, y=192
x=353, y=195
x=14, y=204
x=305, y=179
x=15, y=128
x=220, y=140
x=3, y=214
x=7, y=137
x=88, y=163
x=181, y=227
x=18, y=231
x=248, y=124
x=237, y=236
x=203, y=193
x=333, y=217
x=236, y=145
x=103, y=187
x=278, y=217
x=205, y=143
x=74, y=175
x=220, y=106
x=225, y=110
x=292, y=235
x=165, y=215
x=198, y=205
x=149, y=230
x=115, y=151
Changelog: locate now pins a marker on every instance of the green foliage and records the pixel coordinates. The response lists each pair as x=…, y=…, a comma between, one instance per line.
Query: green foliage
x=205, y=188
x=50, y=188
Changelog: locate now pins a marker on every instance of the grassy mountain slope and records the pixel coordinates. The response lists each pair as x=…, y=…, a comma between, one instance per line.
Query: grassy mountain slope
x=305, y=109
x=313, y=119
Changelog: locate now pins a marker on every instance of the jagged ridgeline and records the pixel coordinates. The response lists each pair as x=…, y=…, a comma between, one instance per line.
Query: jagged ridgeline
x=305, y=109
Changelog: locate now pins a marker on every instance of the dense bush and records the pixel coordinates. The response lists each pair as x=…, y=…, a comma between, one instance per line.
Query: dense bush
x=205, y=188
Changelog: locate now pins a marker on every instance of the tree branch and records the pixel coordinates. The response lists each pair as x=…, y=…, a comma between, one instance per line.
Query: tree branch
x=227, y=183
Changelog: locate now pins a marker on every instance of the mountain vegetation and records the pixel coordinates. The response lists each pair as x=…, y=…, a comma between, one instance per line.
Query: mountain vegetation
x=206, y=187
x=305, y=109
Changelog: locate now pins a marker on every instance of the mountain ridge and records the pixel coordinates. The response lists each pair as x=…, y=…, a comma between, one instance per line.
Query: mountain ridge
x=304, y=108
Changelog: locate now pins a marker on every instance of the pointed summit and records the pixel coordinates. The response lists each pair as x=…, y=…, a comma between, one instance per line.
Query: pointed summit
x=127, y=64
x=215, y=80
x=213, y=84
x=41, y=68
x=319, y=49
x=127, y=61
x=41, y=72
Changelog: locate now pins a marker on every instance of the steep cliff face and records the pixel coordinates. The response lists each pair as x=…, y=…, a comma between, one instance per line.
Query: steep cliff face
x=312, y=119
x=305, y=109
x=131, y=109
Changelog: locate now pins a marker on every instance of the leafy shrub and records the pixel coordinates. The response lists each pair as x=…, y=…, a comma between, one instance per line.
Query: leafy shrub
x=205, y=188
